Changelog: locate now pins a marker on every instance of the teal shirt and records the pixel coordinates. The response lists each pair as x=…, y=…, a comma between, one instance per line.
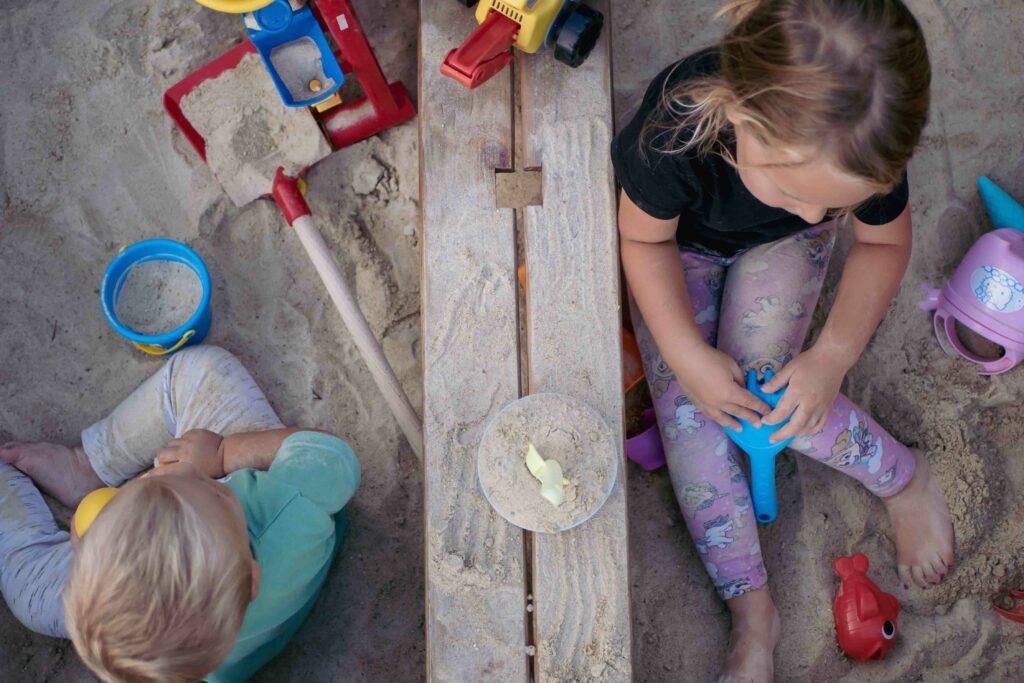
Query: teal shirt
x=293, y=512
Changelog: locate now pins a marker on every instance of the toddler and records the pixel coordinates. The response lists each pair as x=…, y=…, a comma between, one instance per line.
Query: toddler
x=202, y=570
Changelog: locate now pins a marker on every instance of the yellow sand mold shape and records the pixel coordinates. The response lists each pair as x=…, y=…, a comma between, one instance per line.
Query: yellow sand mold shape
x=549, y=474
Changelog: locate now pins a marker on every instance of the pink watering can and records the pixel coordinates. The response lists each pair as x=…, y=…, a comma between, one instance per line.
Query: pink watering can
x=986, y=293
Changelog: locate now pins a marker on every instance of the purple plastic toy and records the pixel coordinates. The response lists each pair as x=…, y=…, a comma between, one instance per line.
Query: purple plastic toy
x=986, y=293
x=645, y=448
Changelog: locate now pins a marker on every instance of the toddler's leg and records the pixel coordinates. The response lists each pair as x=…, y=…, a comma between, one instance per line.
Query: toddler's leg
x=202, y=387
x=706, y=475
x=770, y=295
x=208, y=388
x=35, y=556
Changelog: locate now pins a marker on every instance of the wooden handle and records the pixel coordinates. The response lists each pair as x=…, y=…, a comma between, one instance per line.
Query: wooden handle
x=356, y=323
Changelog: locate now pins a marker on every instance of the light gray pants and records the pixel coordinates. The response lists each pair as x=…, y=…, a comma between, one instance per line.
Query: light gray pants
x=202, y=387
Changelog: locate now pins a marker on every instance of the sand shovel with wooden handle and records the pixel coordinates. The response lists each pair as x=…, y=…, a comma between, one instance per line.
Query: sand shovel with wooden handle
x=296, y=211
x=232, y=114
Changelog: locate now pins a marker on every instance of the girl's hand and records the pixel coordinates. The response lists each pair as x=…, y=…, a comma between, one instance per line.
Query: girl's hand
x=200, y=447
x=813, y=383
x=714, y=384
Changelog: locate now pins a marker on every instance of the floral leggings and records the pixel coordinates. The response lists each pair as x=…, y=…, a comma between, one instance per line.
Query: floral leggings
x=756, y=307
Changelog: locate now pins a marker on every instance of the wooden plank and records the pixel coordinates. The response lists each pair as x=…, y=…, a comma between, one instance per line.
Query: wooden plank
x=581, y=577
x=474, y=559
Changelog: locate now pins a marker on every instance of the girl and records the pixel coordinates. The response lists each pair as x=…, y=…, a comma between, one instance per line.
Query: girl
x=807, y=109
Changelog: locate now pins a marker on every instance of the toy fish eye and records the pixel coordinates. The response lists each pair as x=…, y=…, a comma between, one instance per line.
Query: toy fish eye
x=888, y=630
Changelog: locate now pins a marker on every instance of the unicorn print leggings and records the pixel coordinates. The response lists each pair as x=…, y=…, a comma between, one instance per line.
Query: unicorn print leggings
x=756, y=307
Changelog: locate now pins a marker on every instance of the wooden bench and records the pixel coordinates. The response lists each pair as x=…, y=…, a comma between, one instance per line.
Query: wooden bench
x=482, y=573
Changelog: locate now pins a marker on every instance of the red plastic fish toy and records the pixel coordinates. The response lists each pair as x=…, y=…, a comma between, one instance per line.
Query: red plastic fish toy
x=865, y=616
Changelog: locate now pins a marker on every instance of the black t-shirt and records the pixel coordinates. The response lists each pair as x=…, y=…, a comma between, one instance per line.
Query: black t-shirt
x=716, y=211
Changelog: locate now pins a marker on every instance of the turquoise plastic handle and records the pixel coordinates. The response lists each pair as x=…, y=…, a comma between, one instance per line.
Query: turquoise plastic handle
x=756, y=443
x=762, y=487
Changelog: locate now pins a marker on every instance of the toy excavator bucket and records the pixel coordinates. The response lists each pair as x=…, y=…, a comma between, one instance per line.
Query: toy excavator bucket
x=569, y=27
x=485, y=53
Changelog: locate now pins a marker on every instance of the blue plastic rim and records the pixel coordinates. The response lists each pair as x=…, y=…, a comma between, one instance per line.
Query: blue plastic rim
x=282, y=25
x=157, y=250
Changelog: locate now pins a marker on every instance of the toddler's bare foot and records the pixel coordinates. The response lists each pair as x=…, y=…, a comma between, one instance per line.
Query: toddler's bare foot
x=755, y=633
x=62, y=472
x=923, y=528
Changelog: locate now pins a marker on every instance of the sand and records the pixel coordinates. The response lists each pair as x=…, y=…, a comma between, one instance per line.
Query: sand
x=158, y=297
x=969, y=426
x=89, y=161
x=561, y=429
x=249, y=132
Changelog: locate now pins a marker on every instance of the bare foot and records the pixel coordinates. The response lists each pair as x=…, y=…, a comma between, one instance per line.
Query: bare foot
x=924, y=530
x=62, y=472
x=755, y=633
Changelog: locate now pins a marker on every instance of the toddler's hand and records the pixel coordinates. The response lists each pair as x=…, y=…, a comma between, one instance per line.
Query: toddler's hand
x=200, y=447
x=813, y=386
x=714, y=384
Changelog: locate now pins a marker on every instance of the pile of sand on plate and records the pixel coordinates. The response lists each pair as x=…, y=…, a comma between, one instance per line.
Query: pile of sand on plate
x=561, y=429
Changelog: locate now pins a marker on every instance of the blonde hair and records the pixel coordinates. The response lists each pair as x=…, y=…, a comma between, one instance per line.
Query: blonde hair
x=155, y=594
x=848, y=78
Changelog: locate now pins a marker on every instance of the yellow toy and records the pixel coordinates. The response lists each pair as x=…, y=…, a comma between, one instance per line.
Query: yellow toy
x=235, y=6
x=90, y=507
x=569, y=26
x=534, y=22
x=93, y=504
x=549, y=474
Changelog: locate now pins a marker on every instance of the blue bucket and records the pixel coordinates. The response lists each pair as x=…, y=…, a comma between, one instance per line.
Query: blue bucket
x=197, y=326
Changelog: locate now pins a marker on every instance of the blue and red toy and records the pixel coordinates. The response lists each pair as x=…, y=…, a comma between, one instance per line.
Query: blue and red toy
x=865, y=616
x=296, y=55
x=756, y=443
x=292, y=45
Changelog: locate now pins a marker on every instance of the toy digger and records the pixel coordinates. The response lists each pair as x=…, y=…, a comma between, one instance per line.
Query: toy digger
x=292, y=45
x=305, y=70
x=568, y=26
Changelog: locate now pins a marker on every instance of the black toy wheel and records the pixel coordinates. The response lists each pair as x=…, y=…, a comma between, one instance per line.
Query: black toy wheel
x=575, y=38
x=468, y=3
